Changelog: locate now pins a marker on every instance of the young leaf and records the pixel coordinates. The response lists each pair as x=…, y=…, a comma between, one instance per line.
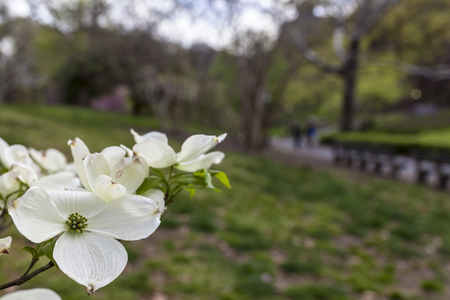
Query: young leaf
x=32, y=251
x=158, y=173
x=47, y=249
x=191, y=191
x=149, y=183
x=208, y=180
x=188, y=179
x=223, y=178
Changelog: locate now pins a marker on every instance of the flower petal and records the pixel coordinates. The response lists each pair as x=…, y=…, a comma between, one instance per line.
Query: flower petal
x=95, y=165
x=24, y=173
x=157, y=154
x=107, y=189
x=3, y=146
x=158, y=197
x=128, y=218
x=8, y=184
x=32, y=294
x=197, y=145
x=51, y=159
x=204, y=161
x=130, y=172
x=57, y=181
x=149, y=136
x=5, y=244
x=36, y=216
x=92, y=260
x=85, y=203
x=18, y=154
x=79, y=152
x=113, y=155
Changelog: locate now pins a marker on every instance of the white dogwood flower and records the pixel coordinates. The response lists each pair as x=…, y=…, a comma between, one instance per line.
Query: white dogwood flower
x=152, y=135
x=18, y=154
x=158, y=196
x=11, y=181
x=3, y=146
x=32, y=294
x=108, y=174
x=51, y=160
x=192, y=157
x=5, y=245
x=87, y=251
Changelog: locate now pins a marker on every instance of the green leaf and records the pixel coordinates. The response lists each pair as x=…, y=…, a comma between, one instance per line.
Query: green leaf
x=158, y=173
x=191, y=191
x=208, y=180
x=32, y=251
x=223, y=178
x=187, y=179
x=148, y=184
x=47, y=249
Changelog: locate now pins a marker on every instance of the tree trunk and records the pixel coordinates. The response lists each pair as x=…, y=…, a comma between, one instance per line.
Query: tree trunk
x=252, y=119
x=348, y=75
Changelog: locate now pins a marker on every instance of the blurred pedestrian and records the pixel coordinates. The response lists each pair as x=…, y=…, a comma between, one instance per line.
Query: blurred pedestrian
x=296, y=133
x=311, y=134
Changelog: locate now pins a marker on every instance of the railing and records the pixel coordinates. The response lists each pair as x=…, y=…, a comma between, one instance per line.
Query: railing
x=383, y=159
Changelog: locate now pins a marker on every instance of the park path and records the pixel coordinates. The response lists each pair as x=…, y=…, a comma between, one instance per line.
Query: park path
x=322, y=156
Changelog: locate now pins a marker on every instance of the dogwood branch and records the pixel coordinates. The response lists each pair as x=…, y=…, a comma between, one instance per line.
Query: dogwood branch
x=24, y=278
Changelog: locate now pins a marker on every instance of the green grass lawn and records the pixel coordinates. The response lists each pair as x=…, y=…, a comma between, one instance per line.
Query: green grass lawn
x=281, y=232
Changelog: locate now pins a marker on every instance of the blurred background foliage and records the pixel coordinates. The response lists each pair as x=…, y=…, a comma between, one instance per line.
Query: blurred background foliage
x=73, y=68
x=78, y=53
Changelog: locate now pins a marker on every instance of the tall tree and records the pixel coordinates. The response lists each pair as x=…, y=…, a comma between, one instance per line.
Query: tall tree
x=352, y=21
x=258, y=102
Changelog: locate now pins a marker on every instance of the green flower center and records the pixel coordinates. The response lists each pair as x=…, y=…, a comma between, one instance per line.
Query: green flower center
x=76, y=223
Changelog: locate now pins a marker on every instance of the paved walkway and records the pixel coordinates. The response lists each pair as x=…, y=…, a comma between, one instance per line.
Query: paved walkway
x=323, y=155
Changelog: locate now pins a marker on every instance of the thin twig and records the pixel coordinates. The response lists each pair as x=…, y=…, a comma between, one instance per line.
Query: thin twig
x=33, y=262
x=23, y=279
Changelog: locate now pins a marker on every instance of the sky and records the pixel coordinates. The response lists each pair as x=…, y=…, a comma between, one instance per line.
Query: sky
x=209, y=23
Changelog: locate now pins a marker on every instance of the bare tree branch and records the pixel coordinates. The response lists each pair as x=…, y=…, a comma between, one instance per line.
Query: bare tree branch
x=440, y=72
x=311, y=55
x=371, y=12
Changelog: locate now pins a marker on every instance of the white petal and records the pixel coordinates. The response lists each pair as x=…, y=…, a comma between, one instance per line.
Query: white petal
x=128, y=218
x=221, y=137
x=95, y=165
x=128, y=150
x=24, y=173
x=32, y=294
x=51, y=159
x=196, y=145
x=92, y=260
x=113, y=155
x=57, y=181
x=158, y=197
x=204, y=161
x=107, y=189
x=130, y=172
x=85, y=203
x=156, y=153
x=5, y=245
x=3, y=146
x=18, y=154
x=149, y=136
x=36, y=216
x=8, y=184
x=79, y=152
